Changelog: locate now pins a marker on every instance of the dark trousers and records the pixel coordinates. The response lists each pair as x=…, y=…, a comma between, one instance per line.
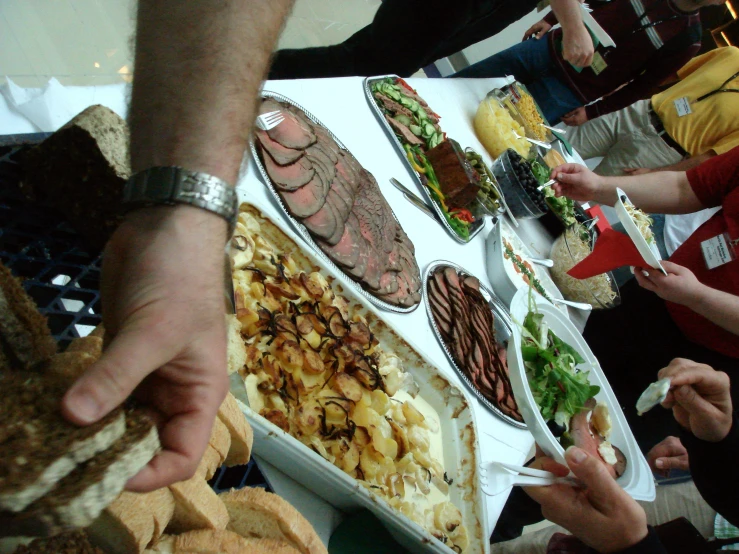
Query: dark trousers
x=404, y=36
x=632, y=343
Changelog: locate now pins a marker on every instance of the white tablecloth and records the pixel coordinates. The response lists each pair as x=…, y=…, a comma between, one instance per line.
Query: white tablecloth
x=341, y=105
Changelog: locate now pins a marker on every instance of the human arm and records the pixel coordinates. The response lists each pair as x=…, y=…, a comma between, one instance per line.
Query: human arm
x=700, y=399
x=577, y=44
x=666, y=192
x=601, y=513
x=539, y=29
x=682, y=165
x=680, y=286
x=198, y=69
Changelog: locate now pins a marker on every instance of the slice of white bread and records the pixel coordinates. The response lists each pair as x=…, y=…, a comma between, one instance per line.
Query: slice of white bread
x=196, y=507
x=133, y=522
x=254, y=512
x=220, y=439
x=79, y=498
x=209, y=463
x=236, y=346
x=209, y=541
x=44, y=445
x=242, y=437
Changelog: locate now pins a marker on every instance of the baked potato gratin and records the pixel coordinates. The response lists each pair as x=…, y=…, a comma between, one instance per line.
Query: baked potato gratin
x=314, y=369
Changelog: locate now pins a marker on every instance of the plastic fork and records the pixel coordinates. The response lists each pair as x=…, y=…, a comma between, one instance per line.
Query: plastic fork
x=269, y=120
x=498, y=477
x=549, y=183
x=563, y=131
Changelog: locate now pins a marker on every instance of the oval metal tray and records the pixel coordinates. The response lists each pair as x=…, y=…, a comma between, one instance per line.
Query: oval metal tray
x=476, y=227
x=300, y=228
x=503, y=331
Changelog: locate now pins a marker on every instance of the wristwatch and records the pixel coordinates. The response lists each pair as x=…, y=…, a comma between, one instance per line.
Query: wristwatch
x=176, y=185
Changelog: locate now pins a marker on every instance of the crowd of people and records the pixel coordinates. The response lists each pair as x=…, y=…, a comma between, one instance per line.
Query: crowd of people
x=674, y=152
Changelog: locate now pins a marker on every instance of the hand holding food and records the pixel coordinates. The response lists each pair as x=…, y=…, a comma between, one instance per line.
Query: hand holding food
x=577, y=46
x=538, y=30
x=700, y=399
x=162, y=285
x=601, y=514
x=668, y=454
x=680, y=285
x=576, y=181
x=576, y=117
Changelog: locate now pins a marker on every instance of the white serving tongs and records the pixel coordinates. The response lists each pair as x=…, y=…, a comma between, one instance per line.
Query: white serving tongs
x=544, y=145
x=498, y=477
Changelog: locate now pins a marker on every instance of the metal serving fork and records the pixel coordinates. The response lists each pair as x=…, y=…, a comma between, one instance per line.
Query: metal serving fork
x=269, y=120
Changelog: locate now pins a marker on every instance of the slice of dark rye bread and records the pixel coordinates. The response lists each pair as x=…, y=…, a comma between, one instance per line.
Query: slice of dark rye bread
x=67, y=543
x=81, y=496
x=25, y=339
x=81, y=169
x=38, y=446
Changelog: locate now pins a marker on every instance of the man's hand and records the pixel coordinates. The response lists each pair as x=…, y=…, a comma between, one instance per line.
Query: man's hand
x=700, y=398
x=576, y=117
x=680, y=285
x=575, y=181
x=601, y=514
x=667, y=455
x=537, y=30
x=162, y=292
x=577, y=46
x=638, y=171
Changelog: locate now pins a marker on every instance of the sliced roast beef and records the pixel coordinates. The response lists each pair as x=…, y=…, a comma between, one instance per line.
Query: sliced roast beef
x=345, y=252
x=289, y=177
x=323, y=223
x=340, y=206
x=307, y=200
x=336, y=205
x=392, y=105
x=317, y=157
x=368, y=225
x=403, y=131
x=343, y=190
x=583, y=436
x=328, y=144
x=280, y=154
x=292, y=132
x=375, y=270
x=351, y=177
x=388, y=283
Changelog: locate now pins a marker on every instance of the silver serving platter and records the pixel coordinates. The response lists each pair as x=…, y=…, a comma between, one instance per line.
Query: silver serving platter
x=503, y=331
x=477, y=226
x=300, y=228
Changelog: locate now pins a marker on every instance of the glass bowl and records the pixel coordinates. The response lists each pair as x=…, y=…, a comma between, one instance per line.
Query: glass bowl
x=514, y=185
x=570, y=248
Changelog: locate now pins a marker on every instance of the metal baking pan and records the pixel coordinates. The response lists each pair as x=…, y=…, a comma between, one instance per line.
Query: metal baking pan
x=503, y=331
x=459, y=433
x=477, y=226
x=300, y=228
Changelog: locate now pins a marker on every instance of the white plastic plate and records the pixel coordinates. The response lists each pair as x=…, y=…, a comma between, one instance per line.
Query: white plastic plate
x=637, y=480
x=651, y=253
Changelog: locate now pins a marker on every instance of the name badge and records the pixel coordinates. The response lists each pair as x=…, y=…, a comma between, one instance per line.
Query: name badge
x=682, y=106
x=718, y=250
x=599, y=64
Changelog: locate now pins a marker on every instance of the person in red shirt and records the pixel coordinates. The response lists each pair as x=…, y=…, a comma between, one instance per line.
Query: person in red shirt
x=692, y=312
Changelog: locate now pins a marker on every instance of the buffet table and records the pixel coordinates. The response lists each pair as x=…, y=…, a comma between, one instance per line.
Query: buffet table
x=341, y=105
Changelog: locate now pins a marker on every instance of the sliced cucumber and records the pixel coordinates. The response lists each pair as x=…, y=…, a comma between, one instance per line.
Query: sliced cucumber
x=405, y=101
x=404, y=119
x=434, y=141
x=415, y=129
x=421, y=113
x=428, y=129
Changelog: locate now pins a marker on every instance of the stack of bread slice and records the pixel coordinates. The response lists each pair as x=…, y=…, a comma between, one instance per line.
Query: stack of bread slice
x=55, y=475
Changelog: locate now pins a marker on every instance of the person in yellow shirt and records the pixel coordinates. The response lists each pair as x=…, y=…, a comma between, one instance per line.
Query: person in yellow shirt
x=690, y=122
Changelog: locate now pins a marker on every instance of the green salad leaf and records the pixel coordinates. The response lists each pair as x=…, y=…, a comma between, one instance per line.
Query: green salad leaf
x=551, y=366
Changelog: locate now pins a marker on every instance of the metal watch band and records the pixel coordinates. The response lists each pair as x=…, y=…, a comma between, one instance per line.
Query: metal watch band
x=176, y=185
